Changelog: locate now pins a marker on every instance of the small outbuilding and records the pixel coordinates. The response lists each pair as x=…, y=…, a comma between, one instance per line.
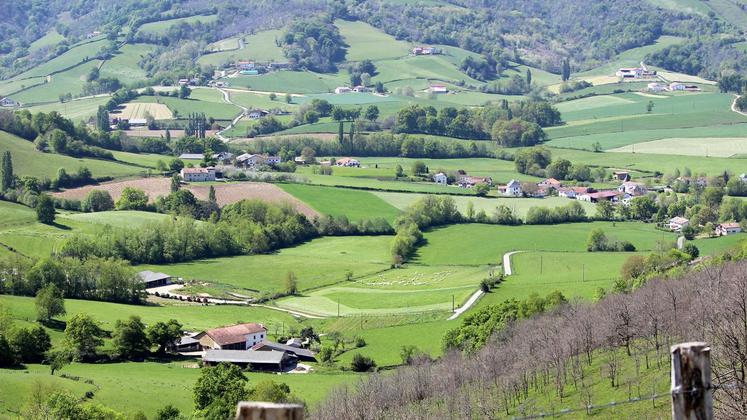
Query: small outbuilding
x=256, y=360
x=153, y=279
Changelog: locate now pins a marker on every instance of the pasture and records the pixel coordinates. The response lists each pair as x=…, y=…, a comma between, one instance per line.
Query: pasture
x=29, y=161
x=353, y=204
x=124, y=65
x=69, y=81
x=291, y=82
x=76, y=110
x=199, y=102
x=366, y=42
x=700, y=146
x=320, y=262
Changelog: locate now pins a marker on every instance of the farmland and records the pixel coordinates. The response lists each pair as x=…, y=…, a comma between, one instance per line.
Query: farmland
x=355, y=205
x=140, y=110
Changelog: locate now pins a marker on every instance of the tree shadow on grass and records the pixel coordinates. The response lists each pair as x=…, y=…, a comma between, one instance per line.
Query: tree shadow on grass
x=55, y=324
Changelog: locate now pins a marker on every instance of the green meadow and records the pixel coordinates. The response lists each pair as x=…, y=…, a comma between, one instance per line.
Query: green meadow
x=207, y=101
x=124, y=64
x=367, y=42
x=76, y=110
x=161, y=26
x=29, y=161
x=355, y=205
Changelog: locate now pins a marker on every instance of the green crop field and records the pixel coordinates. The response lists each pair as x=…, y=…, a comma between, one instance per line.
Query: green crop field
x=76, y=110
x=291, y=82
x=317, y=263
x=29, y=161
x=51, y=39
x=207, y=101
x=575, y=274
x=355, y=205
x=124, y=64
x=161, y=26
x=701, y=146
x=519, y=205
x=258, y=100
x=69, y=81
x=9, y=87
x=367, y=42
x=486, y=244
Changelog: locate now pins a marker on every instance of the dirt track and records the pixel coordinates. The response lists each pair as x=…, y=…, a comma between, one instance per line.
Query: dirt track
x=224, y=193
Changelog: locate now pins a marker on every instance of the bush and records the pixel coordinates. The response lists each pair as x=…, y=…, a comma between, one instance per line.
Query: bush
x=360, y=342
x=362, y=363
x=97, y=200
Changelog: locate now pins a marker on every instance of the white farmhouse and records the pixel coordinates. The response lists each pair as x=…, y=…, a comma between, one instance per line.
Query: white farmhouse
x=513, y=188
x=676, y=224
x=198, y=174
x=441, y=178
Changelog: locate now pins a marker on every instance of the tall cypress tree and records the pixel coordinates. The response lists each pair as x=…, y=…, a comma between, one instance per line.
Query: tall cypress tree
x=341, y=134
x=566, y=70
x=350, y=137
x=7, y=172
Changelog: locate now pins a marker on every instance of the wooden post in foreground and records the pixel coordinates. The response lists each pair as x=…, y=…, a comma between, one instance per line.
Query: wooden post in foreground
x=246, y=410
x=692, y=394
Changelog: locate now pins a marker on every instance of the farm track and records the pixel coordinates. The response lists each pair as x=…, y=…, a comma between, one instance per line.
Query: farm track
x=244, y=110
x=478, y=294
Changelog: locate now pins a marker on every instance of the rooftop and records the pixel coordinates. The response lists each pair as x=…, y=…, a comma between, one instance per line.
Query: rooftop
x=243, y=356
x=234, y=333
x=148, y=276
x=284, y=347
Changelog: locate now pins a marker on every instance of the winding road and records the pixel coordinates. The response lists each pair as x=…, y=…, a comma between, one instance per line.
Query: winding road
x=475, y=296
x=244, y=110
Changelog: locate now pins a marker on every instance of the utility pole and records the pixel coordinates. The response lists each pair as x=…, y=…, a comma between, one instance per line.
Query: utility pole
x=692, y=391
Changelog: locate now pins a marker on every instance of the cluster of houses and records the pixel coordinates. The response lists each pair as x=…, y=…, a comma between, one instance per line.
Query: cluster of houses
x=676, y=224
x=657, y=87
x=425, y=50
x=344, y=89
x=245, y=345
x=627, y=73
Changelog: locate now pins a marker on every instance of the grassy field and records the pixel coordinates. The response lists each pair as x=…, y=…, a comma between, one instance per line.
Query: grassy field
x=76, y=110
x=291, y=82
x=207, y=101
x=50, y=39
x=73, y=56
x=519, y=205
x=258, y=47
x=355, y=205
x=317, y=263
x=413, y=289
x=486, y=244
x=124, y=64
x=29, y=161
x=700, y=146
x=366, y=42
x=161, y=26
x=69, y=81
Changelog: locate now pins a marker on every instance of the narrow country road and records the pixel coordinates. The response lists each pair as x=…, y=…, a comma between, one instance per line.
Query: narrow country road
x=227, y=98
x=475, y=296
x=734, y=106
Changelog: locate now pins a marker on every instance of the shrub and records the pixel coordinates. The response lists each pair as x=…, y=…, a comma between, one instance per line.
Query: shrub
x=362, y=363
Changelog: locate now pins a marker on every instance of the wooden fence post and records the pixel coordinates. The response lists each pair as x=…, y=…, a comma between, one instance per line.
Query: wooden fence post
x=692, y=395
x=268, y=411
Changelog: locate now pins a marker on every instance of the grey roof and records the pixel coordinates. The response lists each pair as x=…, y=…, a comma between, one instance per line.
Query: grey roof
x=243, y=356
x=187, y=340
x=191, y=156
x=284, y=347
x=148, y=276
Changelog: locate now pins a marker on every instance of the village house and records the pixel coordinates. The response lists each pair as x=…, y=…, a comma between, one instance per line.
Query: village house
x=223, y=157
x=252, y=72
x=255, y=114
x=572, y=192
x=633, y=188
x=295, y=342
x=93, y=34
x=183, y=82
x=342, y=89
x=348, y=162
x=300, y=353
x=656, y=87
x=512, y=189
x=438, y=89
x=629, y=73
x=692, y=88
x=300, y=160
x=191, y=156
x=245, y=65
x=153, y=279
x=361, y=89
x=198, y=174
x=730, y=228
x=550, y=183
x=441, y=178
x=275, y=361
x=677, y=223
x=621, y=176
x=234, y=337
x=8, y=102
x=424, y=51
x=249, y=160
x=675, y=86
x=187, y=343
x=700, y=181
x=466, y=181
x=598, y=196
